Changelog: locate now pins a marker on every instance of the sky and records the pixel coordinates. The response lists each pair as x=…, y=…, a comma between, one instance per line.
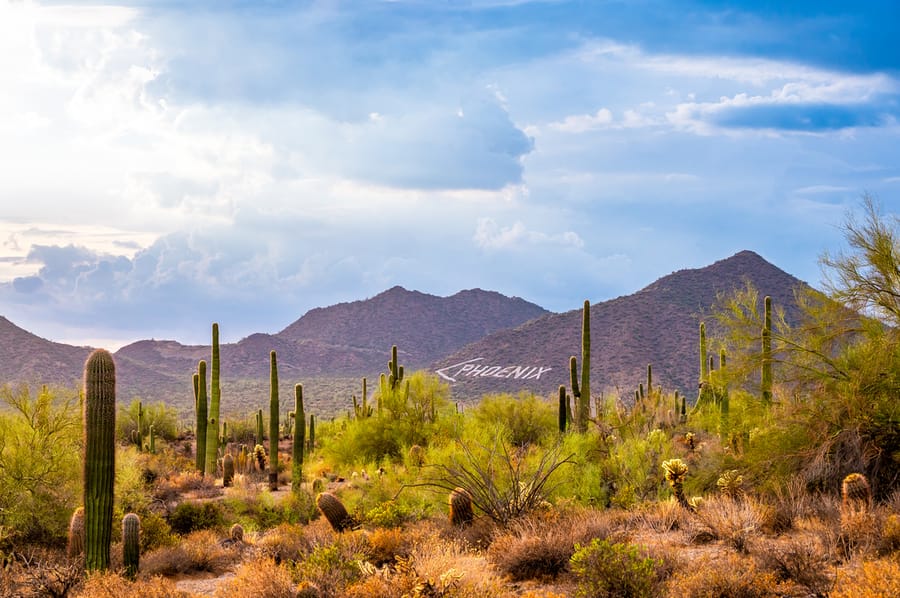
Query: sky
x=166, y=164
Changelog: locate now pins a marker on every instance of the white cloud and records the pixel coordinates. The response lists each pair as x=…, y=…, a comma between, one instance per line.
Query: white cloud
x=579, y=123
x=490, y=235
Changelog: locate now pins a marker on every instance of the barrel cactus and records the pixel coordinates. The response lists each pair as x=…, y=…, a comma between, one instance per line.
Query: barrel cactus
x=334, y=511
x=75, y=546
x=856, y=494
x=461, y=513
x=99, y=457
x=227, y=470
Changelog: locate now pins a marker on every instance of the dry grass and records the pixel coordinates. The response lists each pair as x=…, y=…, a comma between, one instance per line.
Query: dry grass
x=870, y=579
x=113, y=585
x=728, y=577
x=199, y=551
x=286, y=542
x=734, y=522
x=258, y=577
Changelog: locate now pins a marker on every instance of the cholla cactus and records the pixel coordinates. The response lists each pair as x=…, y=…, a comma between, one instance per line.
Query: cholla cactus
x=259, y=453
x=461, y=513
x=731, y=484
x=675, y=471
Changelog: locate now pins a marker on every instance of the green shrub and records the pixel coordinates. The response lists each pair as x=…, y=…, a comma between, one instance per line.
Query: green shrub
x=526, y=418
x=192, y=516
x=608, y=570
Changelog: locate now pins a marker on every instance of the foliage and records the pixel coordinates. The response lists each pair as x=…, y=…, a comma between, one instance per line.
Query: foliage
x=607, y=569
x=191, y=516
x=163, y=418
x=504, y=482
x=40, y=462
x=525, y=418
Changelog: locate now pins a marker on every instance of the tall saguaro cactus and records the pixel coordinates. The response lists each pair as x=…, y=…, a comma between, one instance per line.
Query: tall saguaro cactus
x=201, y=417
x=396, y=370
x=582, y=391
x=99, y=457
x=273, y=422
x=212, y=427
x=131, y=544
x=766, y=385
x=299, y=437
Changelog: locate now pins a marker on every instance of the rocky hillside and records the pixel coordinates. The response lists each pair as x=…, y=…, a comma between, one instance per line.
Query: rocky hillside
x=657, y=325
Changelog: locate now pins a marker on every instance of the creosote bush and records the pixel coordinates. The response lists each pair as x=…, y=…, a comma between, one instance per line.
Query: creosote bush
x=608, y=570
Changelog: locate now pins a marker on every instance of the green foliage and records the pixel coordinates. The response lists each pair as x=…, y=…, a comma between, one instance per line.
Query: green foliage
x=40, y=462
x=191, y=516
x=609, y=570
x=163, y=418
x=525, y=419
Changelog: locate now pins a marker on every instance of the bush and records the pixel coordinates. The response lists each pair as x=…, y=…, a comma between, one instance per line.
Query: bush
x=192, y=516
x=103, y=585
x=604, y=569
x=525, y=418
x=735, y=577
x=260, y=577
x=871, y=579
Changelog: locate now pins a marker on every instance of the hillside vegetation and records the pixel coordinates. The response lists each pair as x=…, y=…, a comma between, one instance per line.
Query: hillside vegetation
x=779, y=477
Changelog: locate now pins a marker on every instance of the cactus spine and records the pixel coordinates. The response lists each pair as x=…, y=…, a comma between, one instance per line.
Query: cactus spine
x=131, y=544
x=201, y=417
x=299, y=437
x=273, y=422
x=212, y=427
x=767, y=352
x=99, y=457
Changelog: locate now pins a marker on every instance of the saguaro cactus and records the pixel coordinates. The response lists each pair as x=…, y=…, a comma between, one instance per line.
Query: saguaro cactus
x=583, y=399
x=561, y=412
x=273, y=422
x=131, y=544
x=201, y=417
x=140, y=427
x=75, y=546
x=311, y=444
x=227, y=470
x=212, y=427
x=99, y=457
x=299, y=437
x=766, y=381
x=260, y=436
x=396, y=370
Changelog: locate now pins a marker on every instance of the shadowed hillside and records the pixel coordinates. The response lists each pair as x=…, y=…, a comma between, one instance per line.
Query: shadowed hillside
x=656, y=325
x=25, y=357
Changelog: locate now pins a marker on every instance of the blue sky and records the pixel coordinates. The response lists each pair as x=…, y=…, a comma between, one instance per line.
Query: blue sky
x=168, y=164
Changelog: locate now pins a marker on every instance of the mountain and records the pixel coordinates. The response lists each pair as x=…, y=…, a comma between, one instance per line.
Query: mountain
x=482, y=340
x=25, y=357
x=657, y=325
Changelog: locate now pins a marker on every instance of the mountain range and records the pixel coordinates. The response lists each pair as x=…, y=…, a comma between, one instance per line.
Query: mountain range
x=478, y=341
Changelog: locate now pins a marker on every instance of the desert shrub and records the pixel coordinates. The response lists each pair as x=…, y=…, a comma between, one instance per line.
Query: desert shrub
x=448, y=569
x=890, y=534
x=40, y=463
x=39, y=571
x=525, y=418
x=332, y=568
x=385, y=545
x=387, y=514
x=869, y=579
x=606, y=569
x=198, y=551
x=258, y=577
x=541, y=546
x=803, y=560
x=163, y=418
x=662, y=516
x=132, y=492
x=109, y=585
x=733, y=577
x=286, y=542
x=155, y=532
x=191, y=516
x=731, y=521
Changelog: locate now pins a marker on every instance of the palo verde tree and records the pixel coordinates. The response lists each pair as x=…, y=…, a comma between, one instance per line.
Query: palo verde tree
x=838, y=360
